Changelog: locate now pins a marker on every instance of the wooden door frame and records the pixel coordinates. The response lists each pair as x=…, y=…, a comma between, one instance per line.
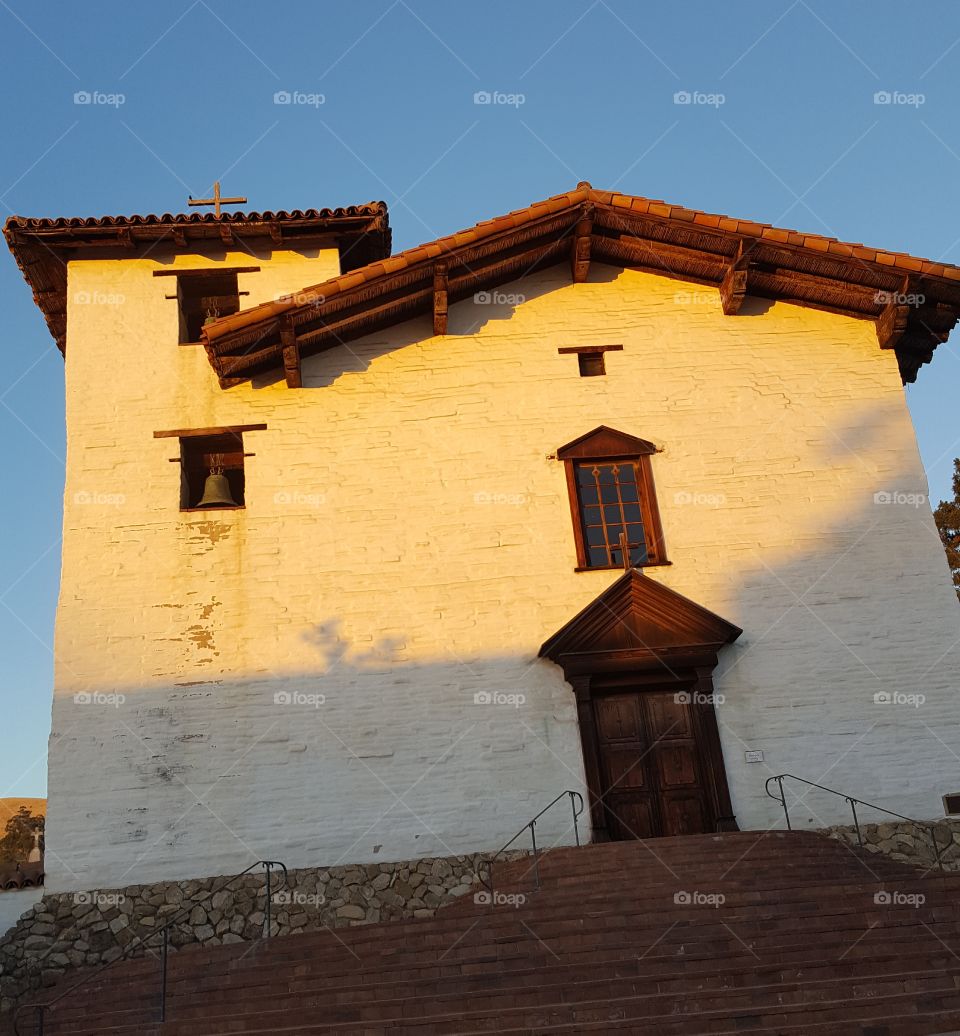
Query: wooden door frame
x=698, y=682
x=641, y=634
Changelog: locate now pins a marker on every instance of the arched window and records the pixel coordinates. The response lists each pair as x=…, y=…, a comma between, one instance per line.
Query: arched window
x=612, y=499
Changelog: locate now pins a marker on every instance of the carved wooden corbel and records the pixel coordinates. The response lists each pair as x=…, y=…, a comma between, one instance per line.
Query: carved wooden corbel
x=440, y=299
x=291, y=352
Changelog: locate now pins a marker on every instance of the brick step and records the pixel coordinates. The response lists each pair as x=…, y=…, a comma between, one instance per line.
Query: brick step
x=631, y=1011
x=698, y=972
x=643, y=1003
x=538, y=1008
x=487, y=935
x=695, y=923
x=567, y=984
x=760, y=843
x=747, y=892
x=483, y=973
x=798, y=945
x=735, y=868
x=656, y=850
x=560, y=860
x=437, y=932
x=614, y=896
x=743, y=874
x=920, y=939
x=661, y=995
x=844, y=1012
x=918, y=1023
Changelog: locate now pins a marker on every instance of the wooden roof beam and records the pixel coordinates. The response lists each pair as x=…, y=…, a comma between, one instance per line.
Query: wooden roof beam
x=735, y=285
x=291, y=353
x=440, y=298
x=893, y=318
x=674, y=260
x=580, y=247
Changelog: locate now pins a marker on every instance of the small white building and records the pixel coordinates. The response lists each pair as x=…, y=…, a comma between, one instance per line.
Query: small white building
x=403, y=625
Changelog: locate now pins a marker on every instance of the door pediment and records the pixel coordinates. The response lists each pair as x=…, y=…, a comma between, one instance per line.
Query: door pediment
x=639, y=623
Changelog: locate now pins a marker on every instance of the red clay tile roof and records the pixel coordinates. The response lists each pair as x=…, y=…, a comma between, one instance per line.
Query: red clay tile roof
x=487, y=228
x=373, y=208
x=830, y=267
x=42, y=246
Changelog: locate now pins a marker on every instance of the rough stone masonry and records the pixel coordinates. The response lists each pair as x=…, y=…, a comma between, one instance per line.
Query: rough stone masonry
x=75, y=930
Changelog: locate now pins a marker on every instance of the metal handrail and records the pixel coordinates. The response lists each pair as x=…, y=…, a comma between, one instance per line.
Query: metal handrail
x=41, y=1009
x=854, y=802
x=575, y=797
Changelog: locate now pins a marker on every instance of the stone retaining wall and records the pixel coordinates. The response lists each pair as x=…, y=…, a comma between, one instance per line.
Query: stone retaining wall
x=906, y=841
x=84, y=929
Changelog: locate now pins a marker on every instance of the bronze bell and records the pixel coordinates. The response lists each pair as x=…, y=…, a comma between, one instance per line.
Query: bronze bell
x=216, y=489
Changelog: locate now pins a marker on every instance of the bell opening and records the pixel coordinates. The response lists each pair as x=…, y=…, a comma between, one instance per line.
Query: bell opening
x=212, y=474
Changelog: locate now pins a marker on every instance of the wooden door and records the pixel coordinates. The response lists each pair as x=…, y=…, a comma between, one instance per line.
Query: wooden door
x=652, y=772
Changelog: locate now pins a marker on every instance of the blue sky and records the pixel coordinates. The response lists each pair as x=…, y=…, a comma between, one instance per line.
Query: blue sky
x=784, y=126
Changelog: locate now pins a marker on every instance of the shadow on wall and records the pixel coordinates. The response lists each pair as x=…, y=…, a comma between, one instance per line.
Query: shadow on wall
x=363, y=758
x=466, y=317
x=367, y=755
x=848, y=670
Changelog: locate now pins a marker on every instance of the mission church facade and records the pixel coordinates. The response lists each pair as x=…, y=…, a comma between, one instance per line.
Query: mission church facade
x=369, y=556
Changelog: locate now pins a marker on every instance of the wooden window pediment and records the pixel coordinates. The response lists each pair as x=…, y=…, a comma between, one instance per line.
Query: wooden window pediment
x=604, y=442
x=612, y=497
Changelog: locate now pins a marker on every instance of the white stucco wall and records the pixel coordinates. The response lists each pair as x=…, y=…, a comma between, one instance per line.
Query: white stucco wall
x=407, y=545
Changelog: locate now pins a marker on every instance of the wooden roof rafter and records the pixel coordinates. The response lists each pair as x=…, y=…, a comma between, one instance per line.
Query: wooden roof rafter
x=738, y=258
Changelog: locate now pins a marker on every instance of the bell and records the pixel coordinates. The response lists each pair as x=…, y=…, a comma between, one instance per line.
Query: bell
x=216, y=492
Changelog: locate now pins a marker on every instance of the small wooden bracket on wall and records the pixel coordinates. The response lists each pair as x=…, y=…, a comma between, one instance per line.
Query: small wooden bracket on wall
x=580, y=248
x=291, y=352
x=566, y=349
x=187, y=433
x=440, y=298
x=736, y=282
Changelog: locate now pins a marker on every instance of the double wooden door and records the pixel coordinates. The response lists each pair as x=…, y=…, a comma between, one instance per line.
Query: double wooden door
x=654, y=773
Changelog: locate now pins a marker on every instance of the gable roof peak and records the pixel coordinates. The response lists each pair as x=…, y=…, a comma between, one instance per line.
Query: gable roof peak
x=584, y=225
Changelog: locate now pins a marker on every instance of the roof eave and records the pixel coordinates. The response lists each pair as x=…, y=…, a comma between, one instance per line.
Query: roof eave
x=774, y=266
x=42, y=247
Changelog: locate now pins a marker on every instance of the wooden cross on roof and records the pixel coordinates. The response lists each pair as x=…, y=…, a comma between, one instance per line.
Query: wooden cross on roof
x=216, y=200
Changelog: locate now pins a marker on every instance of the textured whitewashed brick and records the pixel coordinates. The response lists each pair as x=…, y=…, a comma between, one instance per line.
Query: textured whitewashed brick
x=407, y=545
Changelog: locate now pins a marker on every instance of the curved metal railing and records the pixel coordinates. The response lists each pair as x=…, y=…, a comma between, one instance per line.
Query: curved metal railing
x=40, y=1010
x=575, y=797
x=854, y=802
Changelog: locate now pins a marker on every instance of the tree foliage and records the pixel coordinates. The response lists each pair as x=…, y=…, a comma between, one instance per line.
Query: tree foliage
x=947, y=516
x=17, y=840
